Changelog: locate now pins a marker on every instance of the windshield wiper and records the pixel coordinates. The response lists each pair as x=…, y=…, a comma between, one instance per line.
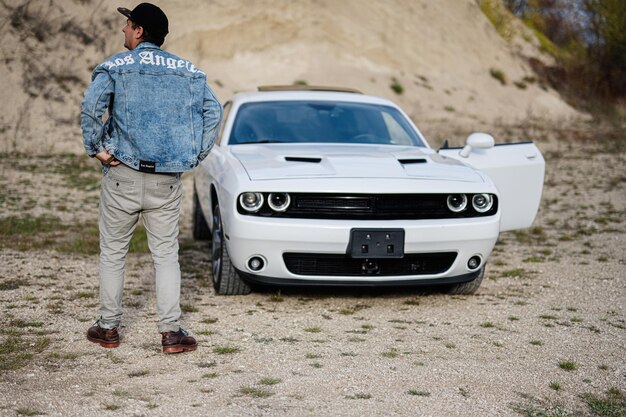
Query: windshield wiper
x=259, y=141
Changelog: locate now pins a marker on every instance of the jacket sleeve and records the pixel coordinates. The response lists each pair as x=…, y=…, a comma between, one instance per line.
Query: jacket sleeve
x=95, y=102
x=211, y=121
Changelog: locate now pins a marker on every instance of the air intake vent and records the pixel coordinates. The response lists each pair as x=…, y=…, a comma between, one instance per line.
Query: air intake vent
x=302, y=159
x=343, y=265
x=412, y=161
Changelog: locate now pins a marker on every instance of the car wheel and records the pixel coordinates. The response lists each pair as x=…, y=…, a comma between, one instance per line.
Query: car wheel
x=200, y=227
x=470, y=287
x=226, y=281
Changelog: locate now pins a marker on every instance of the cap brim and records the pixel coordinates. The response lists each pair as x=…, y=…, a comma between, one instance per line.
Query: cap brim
x=124, y=11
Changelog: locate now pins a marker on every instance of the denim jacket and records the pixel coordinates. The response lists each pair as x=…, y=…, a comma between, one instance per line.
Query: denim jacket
x=163, y=117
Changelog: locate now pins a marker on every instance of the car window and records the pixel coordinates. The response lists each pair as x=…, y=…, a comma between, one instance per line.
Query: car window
x=227, y=107
x=321, y=121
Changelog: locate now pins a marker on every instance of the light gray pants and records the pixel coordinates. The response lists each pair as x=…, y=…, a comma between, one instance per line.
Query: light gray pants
x=125, y=194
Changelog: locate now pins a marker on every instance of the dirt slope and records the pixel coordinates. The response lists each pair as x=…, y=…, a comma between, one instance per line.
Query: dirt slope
x=441, y=54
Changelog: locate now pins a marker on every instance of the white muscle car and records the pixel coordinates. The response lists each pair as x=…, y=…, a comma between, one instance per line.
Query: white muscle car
x=315, y=186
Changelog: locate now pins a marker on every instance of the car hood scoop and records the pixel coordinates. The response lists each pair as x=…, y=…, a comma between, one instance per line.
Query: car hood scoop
x=275, y=161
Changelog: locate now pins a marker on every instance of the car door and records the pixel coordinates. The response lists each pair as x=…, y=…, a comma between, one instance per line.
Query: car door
x=203, y=176
x=517, y=169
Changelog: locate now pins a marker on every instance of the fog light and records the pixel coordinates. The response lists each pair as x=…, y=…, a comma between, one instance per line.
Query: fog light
x=457, y=202
x=482, y=202
x=256, y=263
x=251, y=201
x=279, y=201
x=474, y=262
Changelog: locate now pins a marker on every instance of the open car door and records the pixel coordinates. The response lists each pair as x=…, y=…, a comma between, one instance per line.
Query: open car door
x=517, y=169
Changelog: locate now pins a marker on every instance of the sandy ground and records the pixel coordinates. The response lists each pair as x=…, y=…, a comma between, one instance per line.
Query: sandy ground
x=552, y=294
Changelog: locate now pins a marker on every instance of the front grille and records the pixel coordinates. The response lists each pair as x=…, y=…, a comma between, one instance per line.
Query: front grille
x=370, y=207
x=343, y=265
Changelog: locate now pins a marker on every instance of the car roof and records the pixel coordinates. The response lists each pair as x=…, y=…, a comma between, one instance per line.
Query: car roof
x=295, y=93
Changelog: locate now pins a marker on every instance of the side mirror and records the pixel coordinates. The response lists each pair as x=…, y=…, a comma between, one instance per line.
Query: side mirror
x=477, y=140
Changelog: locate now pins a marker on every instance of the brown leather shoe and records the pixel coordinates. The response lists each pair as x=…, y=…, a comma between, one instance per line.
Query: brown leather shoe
x=108, y=338
x=176, y=342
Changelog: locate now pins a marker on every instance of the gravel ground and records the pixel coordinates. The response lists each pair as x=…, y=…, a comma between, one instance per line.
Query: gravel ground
x=545, y=335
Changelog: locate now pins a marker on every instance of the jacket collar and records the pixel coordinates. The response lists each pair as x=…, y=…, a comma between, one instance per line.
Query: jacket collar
x=145, y=44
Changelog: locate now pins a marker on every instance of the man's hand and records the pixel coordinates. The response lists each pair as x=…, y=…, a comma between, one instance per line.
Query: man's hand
x=106, y=158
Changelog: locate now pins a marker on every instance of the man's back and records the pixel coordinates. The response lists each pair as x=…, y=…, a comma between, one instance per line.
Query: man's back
x=156, y=113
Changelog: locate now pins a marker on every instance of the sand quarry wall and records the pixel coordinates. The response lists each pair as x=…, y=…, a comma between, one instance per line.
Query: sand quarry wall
x=441, y=54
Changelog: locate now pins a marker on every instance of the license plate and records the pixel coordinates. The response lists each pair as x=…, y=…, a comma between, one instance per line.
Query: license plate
x=376, y=243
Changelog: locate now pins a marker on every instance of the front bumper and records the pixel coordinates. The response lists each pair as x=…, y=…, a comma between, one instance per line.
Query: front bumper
x=270, y=239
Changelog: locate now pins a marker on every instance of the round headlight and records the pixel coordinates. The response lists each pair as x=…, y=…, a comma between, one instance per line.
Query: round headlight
x=279, y=201
x=251, y=202
x=457, y=202
x=482, y=202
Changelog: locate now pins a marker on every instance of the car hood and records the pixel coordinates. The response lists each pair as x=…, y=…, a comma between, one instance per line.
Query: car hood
x=275, y=161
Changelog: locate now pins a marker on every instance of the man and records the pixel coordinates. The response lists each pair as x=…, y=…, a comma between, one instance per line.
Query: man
x=162, y=120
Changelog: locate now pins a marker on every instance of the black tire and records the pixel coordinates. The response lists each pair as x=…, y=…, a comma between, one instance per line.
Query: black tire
x=470, y=287
x=200, y=227
x=226, y=281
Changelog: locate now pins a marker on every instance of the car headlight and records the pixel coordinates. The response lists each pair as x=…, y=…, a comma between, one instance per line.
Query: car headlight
x=482, y=202
x=457, y=202
x=251, y=202
x=279, y=201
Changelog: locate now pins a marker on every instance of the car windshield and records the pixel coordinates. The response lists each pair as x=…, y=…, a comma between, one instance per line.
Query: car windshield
x=321, y=121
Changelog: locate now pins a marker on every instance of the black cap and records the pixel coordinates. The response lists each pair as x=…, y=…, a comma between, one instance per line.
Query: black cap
x=149, y=17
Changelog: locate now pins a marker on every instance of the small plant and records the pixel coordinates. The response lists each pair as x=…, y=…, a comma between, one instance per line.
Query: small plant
x=568, y=365
x=513, y=318
x=487, y=324
x=209, y=320
x=419, y=393
x=189, y=308
x=612, y=405
x=135, y=374
x=534, y=259
x=270, y=381
x=515, y=273
x=393, y=353
x=498, y=75
x=276, y=298
x=224, y=350
x=121, y=393
x=313, y=356
x=536, y=342
x=28, y=412
x=313, y=330
x=359, y=396
x=41, y=344
x=555, y=386
x=396, y=87
x=353, y=309
x=256, y=392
